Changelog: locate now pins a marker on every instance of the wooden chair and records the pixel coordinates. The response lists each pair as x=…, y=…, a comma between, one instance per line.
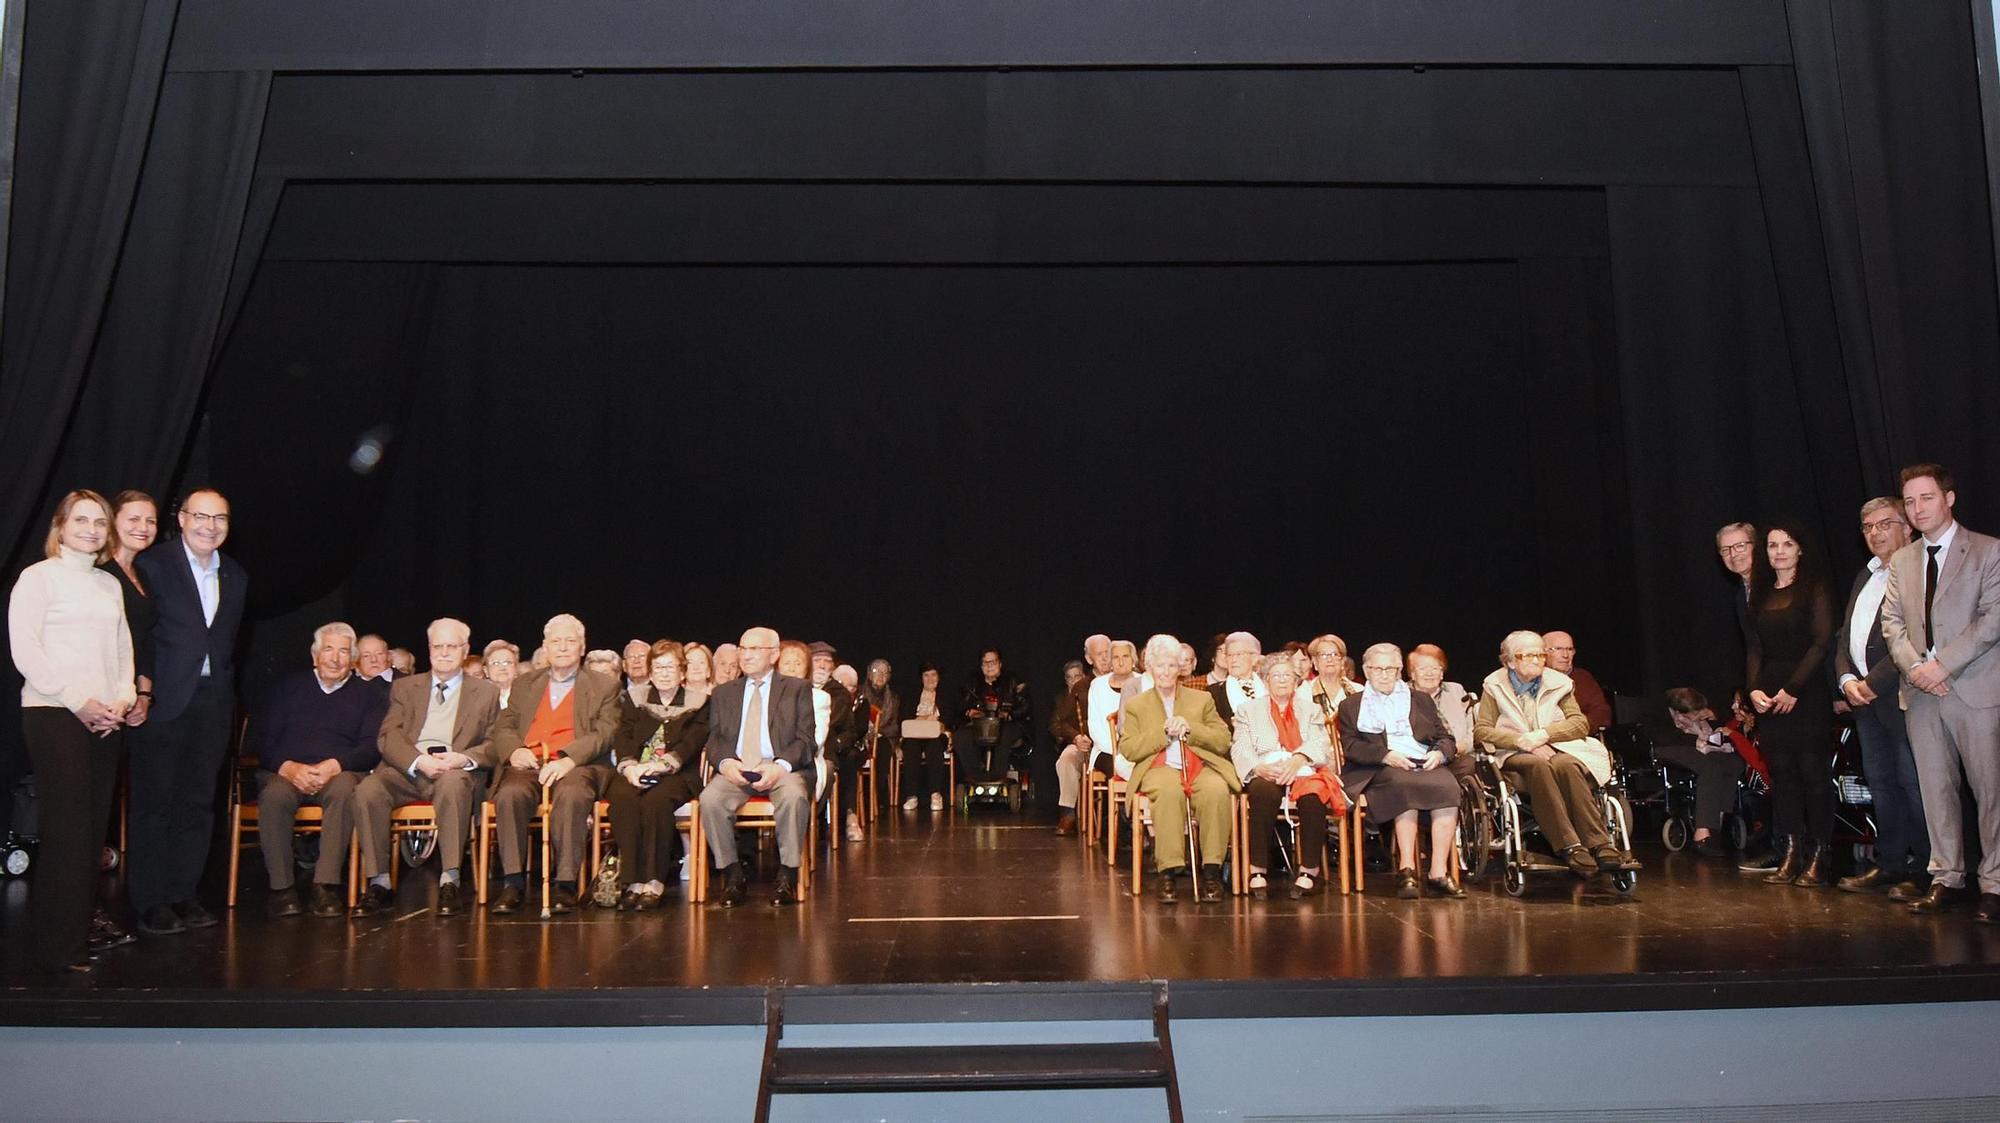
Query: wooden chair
x=950, y=767
x=489, y=824
x=687, y=817
x=1343, y=845
x=1142, y=817
x=243, y=818
x=407, y=819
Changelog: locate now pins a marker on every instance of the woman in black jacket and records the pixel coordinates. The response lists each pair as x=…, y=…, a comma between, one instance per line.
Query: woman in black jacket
x=1788, y=626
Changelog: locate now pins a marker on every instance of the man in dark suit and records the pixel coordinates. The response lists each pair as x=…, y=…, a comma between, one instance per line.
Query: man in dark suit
x=760, y=743
x=1240, y=653
x=557, y=727
x=199, y=595
x=1868, y=681
x=437, y=747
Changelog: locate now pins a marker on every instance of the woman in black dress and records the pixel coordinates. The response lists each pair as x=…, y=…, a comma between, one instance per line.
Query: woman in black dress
x=135, y=523
x=1787, y=630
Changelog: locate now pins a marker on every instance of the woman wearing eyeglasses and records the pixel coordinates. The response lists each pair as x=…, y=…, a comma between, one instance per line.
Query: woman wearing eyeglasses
x=1398, y=751
x=658, y=748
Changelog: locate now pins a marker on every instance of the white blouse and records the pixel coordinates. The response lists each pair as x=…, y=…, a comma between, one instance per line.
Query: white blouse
x=66, y=624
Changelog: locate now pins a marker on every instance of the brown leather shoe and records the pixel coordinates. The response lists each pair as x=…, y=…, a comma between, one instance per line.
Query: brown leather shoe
x=1941, y=898
x=1910, y=890
x=1066, y=826
x=1874, y=881
x=1817, y=867
x=1988, y=909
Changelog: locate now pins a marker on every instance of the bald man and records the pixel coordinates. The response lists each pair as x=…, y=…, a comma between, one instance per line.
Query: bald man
x=1590, y=697
x=761, y=743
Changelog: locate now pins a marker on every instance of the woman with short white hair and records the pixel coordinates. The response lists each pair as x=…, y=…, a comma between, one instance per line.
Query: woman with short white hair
x=1397, y=745
x=1281, y=750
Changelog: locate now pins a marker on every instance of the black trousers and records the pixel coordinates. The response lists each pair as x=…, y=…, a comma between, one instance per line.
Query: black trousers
x=852, y=790
x=988, y=762
x=643, y=825
x=76, y=774
x=1798, y=748
x=923, y=768
x=1715, y=776
x=176, y=769
x=1264, y=800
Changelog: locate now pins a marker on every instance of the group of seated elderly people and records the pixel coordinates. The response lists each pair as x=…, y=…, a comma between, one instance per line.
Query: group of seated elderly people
x=1257, y=724
x=558, y=734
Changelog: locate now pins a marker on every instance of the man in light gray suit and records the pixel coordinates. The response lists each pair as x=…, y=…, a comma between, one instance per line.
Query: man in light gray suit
x=1941, y=620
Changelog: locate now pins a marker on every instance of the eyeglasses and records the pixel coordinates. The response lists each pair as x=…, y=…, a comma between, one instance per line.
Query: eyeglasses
x=1532, y=656
x=200, y=518
x=1880, y=524
x=1738, y=548
x=447, y=647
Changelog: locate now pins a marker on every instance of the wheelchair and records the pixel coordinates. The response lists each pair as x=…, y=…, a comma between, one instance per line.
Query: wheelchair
x=1008, y=741
x=1512, y=824
x=1652, y=787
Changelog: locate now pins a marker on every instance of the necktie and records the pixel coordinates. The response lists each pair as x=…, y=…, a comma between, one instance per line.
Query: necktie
x=440, y=687
x=1250, y=688
x=750, y=748
x=1930, y=593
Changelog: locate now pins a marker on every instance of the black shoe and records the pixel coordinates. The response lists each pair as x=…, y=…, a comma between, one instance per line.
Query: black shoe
x=787, y=889
x=451, y=898
x=106, y=933
x=1873, y=881
x=326, y=901
x=735, y=887
x=650, y=902
x=1168, y=891
x=193, y=915
x=1790, y=865
x=1406, y=885
x=1988, y=909
x=1447, y=886
x=161, y=920
x=375, y=900
x=628, y=901
x=1817, y=869
x=1910, y=890
x=1941, y=898
x=564, y=898
x=283, y=903
x=1762, y=862
x=509, y=901
x=1208, y=888
x=1711, y=847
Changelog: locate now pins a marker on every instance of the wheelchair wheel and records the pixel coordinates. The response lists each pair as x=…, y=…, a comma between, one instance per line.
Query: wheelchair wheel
x=1624, y=880
x=1514, y=879
x=1475, y=834
x=1674, y=834
x=1739, y=834
x=1014, y=798
x=16, y=859
x=108, y=859
x=417, y=847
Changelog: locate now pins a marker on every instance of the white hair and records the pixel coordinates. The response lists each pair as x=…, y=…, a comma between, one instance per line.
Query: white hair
x=450, y=627
x=334, y=629
x=562, y=621
x=1127, y=645
x=1381, y=648
x=851, y=680
x=1100, y=637
x=1515, y=638
x=605, y=657
x=1256, y=644
x=1165, y=648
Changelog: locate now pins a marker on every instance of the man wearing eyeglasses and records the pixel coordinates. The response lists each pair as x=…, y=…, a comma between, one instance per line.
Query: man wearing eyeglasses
x=761, y=741
x=198, y=593
x=1868, y=680
x=1529, y=716
x=1240, y=653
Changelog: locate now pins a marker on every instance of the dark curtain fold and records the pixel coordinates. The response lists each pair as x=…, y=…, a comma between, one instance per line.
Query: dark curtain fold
x=90, y=80
x=191, y=243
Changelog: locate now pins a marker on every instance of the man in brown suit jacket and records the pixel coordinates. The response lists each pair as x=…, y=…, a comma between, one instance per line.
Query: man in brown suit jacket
x=556, y=729
x=437, y=747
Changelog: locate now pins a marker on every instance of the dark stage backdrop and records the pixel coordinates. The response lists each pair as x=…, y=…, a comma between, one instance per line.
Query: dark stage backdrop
x=913, y=332
x=910, y=462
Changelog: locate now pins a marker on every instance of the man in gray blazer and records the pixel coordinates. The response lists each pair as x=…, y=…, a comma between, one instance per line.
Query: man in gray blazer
x=437, y=746
x=1941, y=620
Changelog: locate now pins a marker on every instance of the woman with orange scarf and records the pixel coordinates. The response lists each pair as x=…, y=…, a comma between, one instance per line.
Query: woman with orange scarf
x=1281, y=750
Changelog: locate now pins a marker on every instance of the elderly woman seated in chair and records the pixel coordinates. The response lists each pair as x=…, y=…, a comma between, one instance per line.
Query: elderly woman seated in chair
x=658, y=749
x=1281, y=749
x=1397, y=747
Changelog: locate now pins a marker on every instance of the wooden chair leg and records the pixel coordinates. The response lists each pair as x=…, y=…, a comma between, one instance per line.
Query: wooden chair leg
x=482, y=861
x=832, y=811
x=1111, y=825
x=1138, y=848
x=353, y=860
x=235, y=849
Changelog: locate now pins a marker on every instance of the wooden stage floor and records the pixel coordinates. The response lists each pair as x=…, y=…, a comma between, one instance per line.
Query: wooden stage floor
x=941, y=902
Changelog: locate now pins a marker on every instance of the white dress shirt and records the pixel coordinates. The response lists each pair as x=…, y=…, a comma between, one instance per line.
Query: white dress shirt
x=208, y=583
x=1862, y=622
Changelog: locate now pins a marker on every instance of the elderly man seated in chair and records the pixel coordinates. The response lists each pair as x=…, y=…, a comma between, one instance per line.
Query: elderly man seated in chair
x=761, y=744
x=1528, y=714
x=1179, y=748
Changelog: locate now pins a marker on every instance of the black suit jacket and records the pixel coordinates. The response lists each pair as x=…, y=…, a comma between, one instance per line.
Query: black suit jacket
x=1880, y=674
x=789, y=712
x=1220, y=692
x=182, y=637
